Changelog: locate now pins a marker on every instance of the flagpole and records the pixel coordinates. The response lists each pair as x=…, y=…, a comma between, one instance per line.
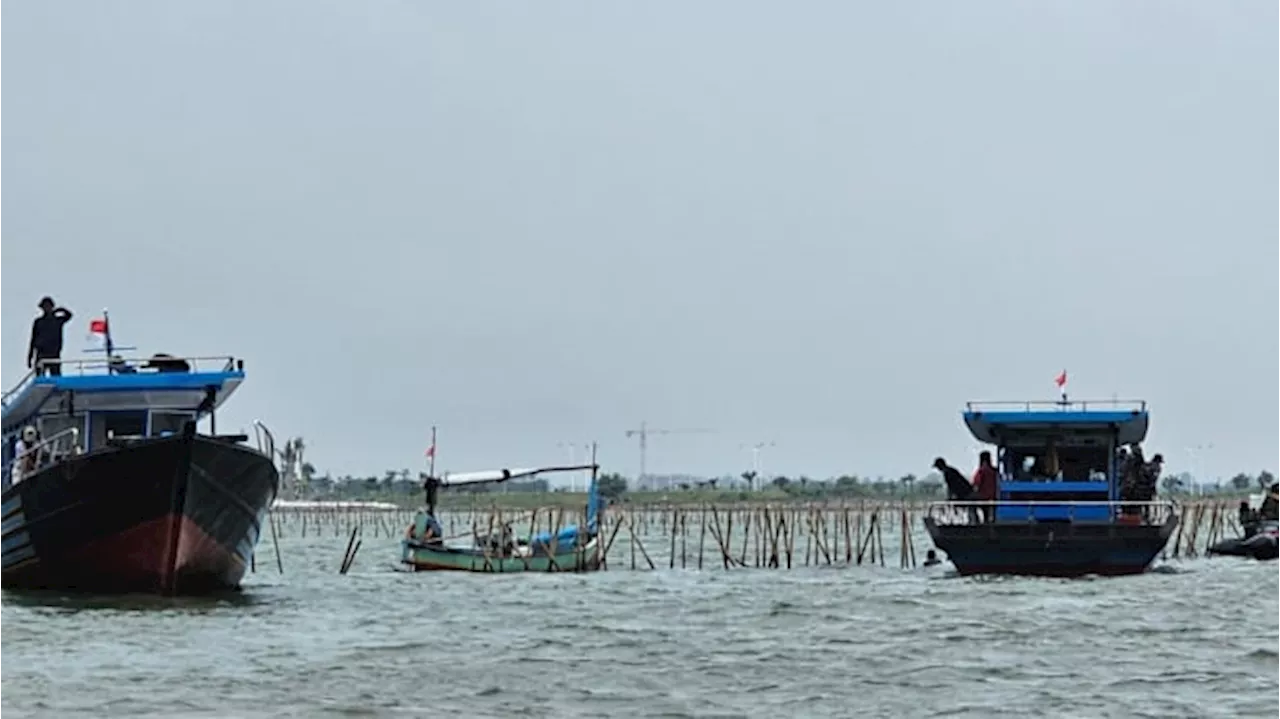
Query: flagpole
x=106, y=327
x=431, y=468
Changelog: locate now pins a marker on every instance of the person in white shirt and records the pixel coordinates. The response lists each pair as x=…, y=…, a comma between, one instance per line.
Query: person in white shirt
x=25, y=453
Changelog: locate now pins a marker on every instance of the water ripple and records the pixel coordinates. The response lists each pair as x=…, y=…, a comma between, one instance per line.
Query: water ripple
x=1197, y=641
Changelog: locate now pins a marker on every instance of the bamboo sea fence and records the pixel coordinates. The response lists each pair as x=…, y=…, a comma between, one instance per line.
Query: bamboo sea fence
x=737, y=536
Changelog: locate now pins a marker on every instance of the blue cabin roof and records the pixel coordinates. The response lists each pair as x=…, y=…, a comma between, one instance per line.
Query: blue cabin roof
x=999, y=422
x=97, y=385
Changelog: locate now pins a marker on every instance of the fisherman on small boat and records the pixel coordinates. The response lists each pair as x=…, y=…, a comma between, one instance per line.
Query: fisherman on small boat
x=1247, y=518
x=1270, y=509
x=931, y=558
x=46, y=337
x=426, y=528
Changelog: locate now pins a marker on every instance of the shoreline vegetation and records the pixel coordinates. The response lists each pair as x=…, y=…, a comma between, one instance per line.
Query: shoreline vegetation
x=395, y=488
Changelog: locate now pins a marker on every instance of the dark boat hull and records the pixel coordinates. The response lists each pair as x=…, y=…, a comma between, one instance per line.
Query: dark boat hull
x=1260, y=545
x=172, y=515
x=1051, y=549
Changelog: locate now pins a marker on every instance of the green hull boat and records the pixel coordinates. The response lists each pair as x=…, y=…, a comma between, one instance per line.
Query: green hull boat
x=568, y=549
x=521, y=559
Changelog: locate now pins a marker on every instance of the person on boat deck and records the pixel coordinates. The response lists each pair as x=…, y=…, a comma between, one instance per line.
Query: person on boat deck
x=1270, y=509
x=958, y=488
x=46, y=337
x=26, y=454
x=1150, y=478
x=984, y=485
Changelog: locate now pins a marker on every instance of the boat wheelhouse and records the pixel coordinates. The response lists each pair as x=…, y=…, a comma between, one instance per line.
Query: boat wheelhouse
x=1058, y=509
x=109, y=487
x=95, y=401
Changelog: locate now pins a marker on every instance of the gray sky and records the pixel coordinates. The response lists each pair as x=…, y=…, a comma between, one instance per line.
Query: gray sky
x=826, y=224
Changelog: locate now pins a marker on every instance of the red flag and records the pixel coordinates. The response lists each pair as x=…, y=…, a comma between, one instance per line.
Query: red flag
x=431, y=451
x=1061, y=379
x=98, y=326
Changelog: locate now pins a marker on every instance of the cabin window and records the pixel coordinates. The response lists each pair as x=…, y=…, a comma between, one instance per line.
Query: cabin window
x=103, y=425
x=163, y=423
x=1068, y=463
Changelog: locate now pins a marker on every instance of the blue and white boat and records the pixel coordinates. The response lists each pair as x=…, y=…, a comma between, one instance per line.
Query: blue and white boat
x=1058, y=510
x=115, y=490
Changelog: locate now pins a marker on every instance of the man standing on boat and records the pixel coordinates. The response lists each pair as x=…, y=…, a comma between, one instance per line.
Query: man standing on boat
x=46, y=337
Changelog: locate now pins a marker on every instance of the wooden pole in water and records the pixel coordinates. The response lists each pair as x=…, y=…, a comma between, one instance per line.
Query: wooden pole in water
x=275, y=542
x=702, y=535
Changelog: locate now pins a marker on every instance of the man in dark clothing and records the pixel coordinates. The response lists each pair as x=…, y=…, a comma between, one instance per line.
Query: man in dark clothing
x=46, y=337
x=958, y=488
x=1270, y=509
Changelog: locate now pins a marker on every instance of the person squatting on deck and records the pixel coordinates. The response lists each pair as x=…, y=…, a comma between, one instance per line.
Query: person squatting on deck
x=46, y=337
x=985, y=482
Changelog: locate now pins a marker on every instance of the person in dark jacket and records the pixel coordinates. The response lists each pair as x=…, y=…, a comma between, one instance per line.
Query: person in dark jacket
x=1270, y=509
x=46, y=337
x=958, y=488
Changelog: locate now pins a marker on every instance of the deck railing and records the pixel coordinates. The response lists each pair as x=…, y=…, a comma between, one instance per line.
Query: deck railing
x=1114, y=405
x=102, y=365
x=105, y=365
x=971, y=512
x=265, y=440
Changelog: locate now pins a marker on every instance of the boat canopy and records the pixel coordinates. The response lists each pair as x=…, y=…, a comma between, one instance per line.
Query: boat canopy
x=503, y=475
x=162, y=382
x=1002, y=423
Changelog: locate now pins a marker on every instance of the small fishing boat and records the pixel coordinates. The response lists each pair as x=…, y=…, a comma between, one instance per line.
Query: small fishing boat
x=570, y=548
x=1259, y=533
x=1058, y=510
x=1259, y=542
x=114, y=489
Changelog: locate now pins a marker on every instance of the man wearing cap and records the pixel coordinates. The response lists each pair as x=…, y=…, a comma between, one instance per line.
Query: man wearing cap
x=46, y=337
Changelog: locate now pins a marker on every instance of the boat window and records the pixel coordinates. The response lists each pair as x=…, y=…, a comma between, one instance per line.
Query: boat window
x=102, y=425
x=1065, y=463
x=163, y=423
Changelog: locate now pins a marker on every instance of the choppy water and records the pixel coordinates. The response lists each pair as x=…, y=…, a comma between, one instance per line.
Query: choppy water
x=1197, y=638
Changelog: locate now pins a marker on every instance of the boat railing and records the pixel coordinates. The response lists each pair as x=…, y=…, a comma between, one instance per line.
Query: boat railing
x=265, y=440
x=115, y=363
x=48, y=451
x=16, y=389
x=1113, y=405
x=956, y=513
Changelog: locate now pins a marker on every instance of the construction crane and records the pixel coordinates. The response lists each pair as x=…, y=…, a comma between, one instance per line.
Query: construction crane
x=757, y=481
x=643, y=433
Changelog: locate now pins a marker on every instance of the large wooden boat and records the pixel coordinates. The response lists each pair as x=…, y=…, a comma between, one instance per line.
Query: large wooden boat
x=1059, y=510
x=116, y=489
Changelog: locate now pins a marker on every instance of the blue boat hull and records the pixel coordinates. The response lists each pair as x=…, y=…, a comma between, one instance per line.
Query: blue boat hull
x=1051, y=549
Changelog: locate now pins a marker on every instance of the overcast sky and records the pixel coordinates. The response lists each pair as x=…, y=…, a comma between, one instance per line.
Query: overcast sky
x=823, y=224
